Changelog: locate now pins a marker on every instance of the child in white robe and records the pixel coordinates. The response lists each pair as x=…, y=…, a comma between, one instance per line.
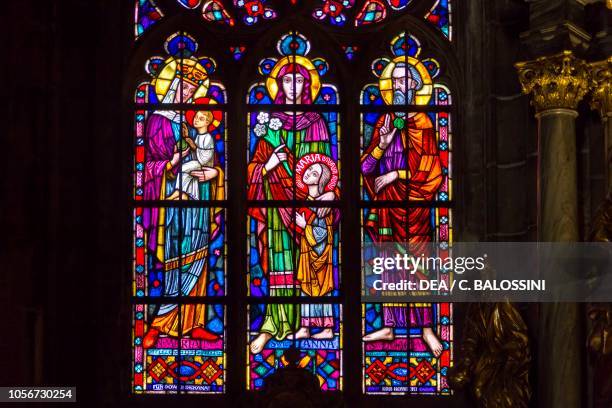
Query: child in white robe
x=202, y=157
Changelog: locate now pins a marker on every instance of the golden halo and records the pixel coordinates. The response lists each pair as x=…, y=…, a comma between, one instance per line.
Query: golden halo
x=315, y=80
x=310, y=159
x=168, y=73
x=422, y=96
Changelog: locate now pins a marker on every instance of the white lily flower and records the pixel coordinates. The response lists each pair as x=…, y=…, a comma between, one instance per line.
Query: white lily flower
x=263, y=117
x=260, y=130
x=276, y=124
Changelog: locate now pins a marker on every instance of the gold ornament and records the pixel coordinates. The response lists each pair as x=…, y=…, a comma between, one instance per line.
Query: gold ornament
x=601, y=74
x=600, y=314
x=556, y=82
x=495, y=357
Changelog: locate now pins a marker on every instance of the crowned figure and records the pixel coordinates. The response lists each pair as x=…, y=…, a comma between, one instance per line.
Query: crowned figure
x=177, y=239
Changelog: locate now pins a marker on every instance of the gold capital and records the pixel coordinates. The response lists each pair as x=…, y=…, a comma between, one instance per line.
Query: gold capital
x=556, y=81
x=601, y=85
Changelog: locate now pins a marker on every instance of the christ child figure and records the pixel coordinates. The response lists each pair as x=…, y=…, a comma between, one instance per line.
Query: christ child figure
x=200, y=164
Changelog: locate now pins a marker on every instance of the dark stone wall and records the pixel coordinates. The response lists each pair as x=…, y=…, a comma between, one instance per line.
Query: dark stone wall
x=63, y=284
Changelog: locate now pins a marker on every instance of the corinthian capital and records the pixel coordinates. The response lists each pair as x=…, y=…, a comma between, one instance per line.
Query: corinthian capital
x=556, y=81
x=601, y=74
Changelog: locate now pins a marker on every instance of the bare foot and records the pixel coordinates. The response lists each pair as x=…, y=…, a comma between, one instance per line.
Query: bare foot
x=260, y=342
x=173, y=196
x=303, y=333
x=432, y=341
x=385, y=333
x=324, y=334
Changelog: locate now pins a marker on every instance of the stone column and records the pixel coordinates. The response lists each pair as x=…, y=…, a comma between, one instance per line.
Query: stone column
x=557, y=84
x=601, y=100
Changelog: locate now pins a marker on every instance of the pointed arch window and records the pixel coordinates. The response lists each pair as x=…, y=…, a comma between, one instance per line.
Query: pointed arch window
x=260, y=174
x=406, y=182
x=179, y=224
x=293, y=217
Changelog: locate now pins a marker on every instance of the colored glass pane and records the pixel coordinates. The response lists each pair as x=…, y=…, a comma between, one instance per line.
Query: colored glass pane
x=318, y=342
x=333, y=11
x=254, y=11
x=146, y=13
x=440, y=16
x=372, y=12
x=190, y=4
x=215, y=12
x=190, y=360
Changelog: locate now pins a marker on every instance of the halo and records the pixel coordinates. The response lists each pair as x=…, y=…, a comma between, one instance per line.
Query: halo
x=168, y=73
x=422, y=96
x=308, y=160
x=315, y=80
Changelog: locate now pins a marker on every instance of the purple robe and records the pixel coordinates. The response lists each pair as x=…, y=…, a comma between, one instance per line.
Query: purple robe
x=159, y=149
x=394, y=158
x=316, y=129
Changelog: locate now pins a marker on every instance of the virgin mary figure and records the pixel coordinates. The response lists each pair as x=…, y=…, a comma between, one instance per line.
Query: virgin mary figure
x=177, y=239
x=284, y=138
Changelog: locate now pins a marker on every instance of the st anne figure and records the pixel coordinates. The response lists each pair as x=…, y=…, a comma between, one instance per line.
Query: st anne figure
x=270, y=177
x=402, y=163
x=177, y=249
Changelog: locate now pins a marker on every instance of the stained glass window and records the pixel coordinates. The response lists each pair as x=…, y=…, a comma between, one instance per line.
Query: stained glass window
x=255, y=11
x=339, y=13
x=237, y=52
x=440, y=15
x=146, y=14
x=179, y=224
x=333, y=11
x=369, y=12
x=305, y=196
x=372, y=12
x=190, y=4
x=215, y=12
x=405, y=171
x=294, y=245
